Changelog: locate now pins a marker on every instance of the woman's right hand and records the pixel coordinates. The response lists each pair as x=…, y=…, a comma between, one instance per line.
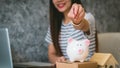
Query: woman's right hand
x=53, y=58
x=61, y=59
x=76, y=13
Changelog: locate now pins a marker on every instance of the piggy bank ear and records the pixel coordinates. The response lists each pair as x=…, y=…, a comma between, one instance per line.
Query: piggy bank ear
x=87, y=42
x=70, y=40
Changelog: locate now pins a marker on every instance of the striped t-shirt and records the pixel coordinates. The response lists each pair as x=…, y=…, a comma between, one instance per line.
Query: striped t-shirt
x=68, y=30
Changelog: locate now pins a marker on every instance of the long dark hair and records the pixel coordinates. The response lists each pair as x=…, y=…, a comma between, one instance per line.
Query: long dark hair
x=56, y=18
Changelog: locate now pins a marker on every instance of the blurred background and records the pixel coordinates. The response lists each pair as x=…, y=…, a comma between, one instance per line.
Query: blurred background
x=28, y=20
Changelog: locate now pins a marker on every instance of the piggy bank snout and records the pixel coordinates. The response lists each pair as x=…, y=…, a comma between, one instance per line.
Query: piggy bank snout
x=80, y=51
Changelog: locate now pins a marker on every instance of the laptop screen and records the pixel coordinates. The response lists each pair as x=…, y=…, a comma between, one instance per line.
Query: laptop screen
x=5, y=50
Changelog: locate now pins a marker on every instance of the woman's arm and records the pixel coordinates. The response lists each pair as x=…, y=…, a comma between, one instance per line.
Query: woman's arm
x=83, y=25
x=88, y=24
x=53, y=58
x=77, y=14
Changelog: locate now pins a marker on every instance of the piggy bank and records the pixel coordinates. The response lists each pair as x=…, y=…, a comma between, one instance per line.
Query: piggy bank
x=77, y=50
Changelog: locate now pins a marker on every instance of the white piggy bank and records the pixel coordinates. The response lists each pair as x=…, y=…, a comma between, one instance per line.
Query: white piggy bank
x=77, y=50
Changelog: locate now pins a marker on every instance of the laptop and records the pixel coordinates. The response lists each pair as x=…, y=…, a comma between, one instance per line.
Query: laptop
x=6, y=55
x=5, y=50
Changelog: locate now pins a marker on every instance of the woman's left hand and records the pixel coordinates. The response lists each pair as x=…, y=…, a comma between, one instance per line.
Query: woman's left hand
x=76, y=13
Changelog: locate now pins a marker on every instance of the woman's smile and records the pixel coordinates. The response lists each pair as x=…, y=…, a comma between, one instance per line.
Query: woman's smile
x=61, y=5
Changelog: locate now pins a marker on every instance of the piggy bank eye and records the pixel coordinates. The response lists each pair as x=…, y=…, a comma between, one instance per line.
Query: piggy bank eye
x=80, y=45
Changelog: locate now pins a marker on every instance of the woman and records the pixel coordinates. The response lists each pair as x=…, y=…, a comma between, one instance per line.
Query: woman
x=67, y=19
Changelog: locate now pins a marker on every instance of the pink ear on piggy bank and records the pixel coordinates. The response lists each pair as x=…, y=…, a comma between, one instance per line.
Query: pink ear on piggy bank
x=87, y=42
x=70, y=40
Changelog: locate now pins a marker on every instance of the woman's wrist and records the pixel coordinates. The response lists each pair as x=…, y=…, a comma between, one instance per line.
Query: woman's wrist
x=83, y=25
x=78, y=24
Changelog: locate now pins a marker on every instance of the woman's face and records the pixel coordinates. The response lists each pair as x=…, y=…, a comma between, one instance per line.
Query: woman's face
x=62, y=5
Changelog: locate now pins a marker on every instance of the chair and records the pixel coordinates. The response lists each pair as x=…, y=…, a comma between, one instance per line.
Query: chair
x=110, y=43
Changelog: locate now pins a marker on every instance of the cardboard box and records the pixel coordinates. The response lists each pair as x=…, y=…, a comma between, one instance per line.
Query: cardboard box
x=76, y=65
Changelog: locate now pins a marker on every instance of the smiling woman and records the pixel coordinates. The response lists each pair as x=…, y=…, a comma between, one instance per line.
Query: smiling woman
x=63, y=13
x=27, y=21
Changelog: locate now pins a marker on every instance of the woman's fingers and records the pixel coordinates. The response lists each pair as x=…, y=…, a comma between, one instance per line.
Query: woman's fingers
x=80, y=13
x=75, y=9
x=76, y=13
x=79, y=17
x=61, y=59
x=71, y=13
